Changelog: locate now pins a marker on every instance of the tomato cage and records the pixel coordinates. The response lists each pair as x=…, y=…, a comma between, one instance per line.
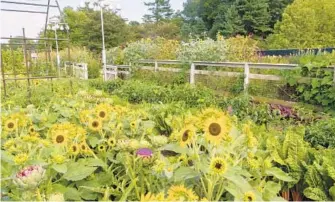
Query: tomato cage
x=34, y=59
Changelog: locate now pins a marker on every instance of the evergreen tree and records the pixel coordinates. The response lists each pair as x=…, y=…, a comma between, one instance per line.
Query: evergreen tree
x=160, y=10
x=230, y=23
x=276, y=9
x=255, y=16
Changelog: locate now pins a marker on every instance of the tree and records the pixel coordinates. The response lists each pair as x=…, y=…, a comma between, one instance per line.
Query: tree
x=229, y=23
x=255, y=16
x=192, y=23
x=160, y=10
x=305, y=24
x=276, y=9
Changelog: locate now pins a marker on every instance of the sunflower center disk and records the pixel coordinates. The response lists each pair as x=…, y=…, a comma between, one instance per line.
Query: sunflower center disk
x=59, y=138
x=95, y=124
x=102, y=114
x=218, y=165
x=185, y=136
x=214, y=129
x=10, y=125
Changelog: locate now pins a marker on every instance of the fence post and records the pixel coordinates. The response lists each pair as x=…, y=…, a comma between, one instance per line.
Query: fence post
x=246, y=76
x=156, y=65
x=192, y=74
x=86, y=71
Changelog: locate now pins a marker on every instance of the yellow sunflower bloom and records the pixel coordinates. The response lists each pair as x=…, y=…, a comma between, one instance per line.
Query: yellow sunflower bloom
x=58, y=159
x=217, y=130
x=95, y=124
x=180, y=193
x=10, y=125
x=211, y=113
x=102, y=114
x=8, y=144
x=31, y=130
x=20, y=159
x=102, y=148
x=186, y=135
x=60, y=139
x=249, y=196
x=111, y=142
x=74, y=149
x=84, y=149
x=218, y=165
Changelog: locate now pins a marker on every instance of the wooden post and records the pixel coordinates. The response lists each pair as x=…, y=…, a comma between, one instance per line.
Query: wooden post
x=192, y=74
x=246, y=76
x=13, y=61
x=156, y=66
x=3, y=76
x=26, y=60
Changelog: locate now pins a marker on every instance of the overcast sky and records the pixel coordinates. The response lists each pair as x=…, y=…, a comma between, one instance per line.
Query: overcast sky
x=11, y=23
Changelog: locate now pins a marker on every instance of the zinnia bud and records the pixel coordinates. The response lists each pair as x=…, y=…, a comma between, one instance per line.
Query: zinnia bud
x=144, y=153
x=29, y=177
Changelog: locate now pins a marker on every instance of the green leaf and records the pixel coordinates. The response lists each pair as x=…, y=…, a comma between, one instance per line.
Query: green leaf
x=332, y=192
x=185, y=173
x=174, y=147
x=87, y=195
x=92, y=162
x=76, y=171
x=61, y=168
x=271, y=189
x=315, y=194
x=59, y=188
x=93, y=141
x=5, y=156
x=278, y=173
x=72, y=194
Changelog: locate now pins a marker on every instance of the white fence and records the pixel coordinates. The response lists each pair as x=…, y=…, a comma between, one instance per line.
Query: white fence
x=245, y=65
x=79, y=70
x=113, y=71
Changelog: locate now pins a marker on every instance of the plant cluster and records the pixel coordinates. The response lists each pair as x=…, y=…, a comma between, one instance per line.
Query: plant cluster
x=89, y=146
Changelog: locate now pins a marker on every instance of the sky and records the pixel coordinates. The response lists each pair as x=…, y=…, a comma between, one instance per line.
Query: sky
x=11, y=23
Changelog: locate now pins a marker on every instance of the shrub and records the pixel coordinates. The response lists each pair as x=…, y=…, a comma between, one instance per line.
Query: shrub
x=322, y=133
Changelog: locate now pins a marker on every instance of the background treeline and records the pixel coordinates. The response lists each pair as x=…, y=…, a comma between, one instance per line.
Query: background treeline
x=274, y=23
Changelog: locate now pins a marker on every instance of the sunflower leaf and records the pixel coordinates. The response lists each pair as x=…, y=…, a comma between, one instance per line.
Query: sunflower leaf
x=278, y=173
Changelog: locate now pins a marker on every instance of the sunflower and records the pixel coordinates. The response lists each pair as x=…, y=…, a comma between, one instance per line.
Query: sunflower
x=217, y=130
x=111, y=142
x=249, y=196
x=74, y=149
x=133, y=125
x=83, y=147
x=186, y=135
x=58, y=159
x=10, y=125
x=179, y=192
x=102, y=148
x=95, y=124
x=218, y=165
x=20, y=159
x=211, y=113
x=60, y=138
x=8, y=144
x=183, y=160
x=102, y=114
x=31, y=130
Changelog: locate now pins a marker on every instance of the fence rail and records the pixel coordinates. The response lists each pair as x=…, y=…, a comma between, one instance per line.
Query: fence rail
x=245, y=65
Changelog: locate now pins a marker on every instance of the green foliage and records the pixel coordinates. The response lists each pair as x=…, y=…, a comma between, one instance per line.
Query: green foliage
x=321, y=133
x=13, y=61
x=305, y=24
x=160, y=10
x=316, y=85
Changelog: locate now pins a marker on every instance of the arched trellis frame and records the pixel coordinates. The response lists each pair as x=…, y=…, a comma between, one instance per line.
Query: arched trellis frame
x=27, y=46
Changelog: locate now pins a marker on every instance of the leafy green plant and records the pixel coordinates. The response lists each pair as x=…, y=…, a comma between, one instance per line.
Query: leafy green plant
x=321, y=133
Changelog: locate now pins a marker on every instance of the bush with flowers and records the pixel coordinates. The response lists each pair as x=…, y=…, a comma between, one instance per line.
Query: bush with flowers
x=88, y=146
